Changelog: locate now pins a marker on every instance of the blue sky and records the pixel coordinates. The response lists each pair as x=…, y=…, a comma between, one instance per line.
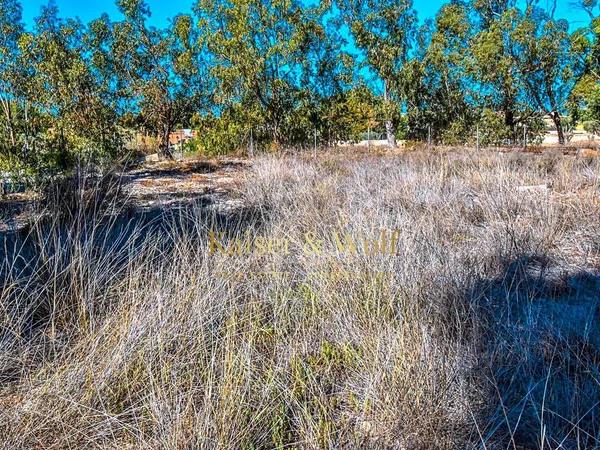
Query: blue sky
x=162, y=10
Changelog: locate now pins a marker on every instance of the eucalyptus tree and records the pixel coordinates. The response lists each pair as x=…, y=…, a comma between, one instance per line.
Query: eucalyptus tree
x=267, y=59
x=104, y=66
x=383, y=31
x=585, y=102
x=11, y=30
x=489, y=12
x=160, y=71
x=352, y=114
x=441, y=94
x=326, y=72
x=548, y=61
x=593, y=64
x=62, y=89
x=492, y=65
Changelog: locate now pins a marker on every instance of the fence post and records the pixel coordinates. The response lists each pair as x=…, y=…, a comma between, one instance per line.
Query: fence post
x=251, y=151
x=477, y=137
x=369, y=138
x=428, y=136
x=315, y=148
x=525, y=137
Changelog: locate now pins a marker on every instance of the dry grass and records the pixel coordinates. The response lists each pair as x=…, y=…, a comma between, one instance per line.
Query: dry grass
x=481, y=332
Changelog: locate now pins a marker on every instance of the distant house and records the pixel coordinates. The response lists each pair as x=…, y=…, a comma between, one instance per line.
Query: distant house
x=179, y=137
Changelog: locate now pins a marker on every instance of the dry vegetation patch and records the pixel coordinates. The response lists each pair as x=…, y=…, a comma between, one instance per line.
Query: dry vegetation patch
x=479, y=330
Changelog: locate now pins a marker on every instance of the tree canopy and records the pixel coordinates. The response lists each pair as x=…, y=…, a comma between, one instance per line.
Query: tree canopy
x=285, y=73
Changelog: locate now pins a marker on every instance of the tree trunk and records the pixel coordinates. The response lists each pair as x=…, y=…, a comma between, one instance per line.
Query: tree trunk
x=163, y=146
x=389, y=130
x=389, y=125
x=509, y=122
x=6, y=106
x=555, y=116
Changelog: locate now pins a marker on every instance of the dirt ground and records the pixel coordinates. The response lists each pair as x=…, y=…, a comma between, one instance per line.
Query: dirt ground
x=151, y=185
x=165, y=183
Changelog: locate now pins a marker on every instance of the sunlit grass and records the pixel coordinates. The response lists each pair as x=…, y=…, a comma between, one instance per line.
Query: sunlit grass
x=441, y=344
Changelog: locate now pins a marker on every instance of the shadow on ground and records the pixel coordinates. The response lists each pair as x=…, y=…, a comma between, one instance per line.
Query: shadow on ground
x=542, y=355
x=46, y=257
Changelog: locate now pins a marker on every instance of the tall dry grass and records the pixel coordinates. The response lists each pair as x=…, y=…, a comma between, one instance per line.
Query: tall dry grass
x=480, y=332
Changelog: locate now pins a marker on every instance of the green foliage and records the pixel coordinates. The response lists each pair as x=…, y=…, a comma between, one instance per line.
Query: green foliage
x=584, y=104
x=494, y=131
x=589, y=107
x=354, y=114
x=221, y=135
x=383, y=32
x=282, y=73
x=441, y=98
x=548, y=62
x=56, y=113
x=161, y=71
x=276, y=61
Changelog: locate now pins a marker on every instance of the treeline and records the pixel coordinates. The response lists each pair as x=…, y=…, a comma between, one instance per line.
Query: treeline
x=286, y=72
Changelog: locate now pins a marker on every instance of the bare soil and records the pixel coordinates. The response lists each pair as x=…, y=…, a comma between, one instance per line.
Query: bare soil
x=152, y=185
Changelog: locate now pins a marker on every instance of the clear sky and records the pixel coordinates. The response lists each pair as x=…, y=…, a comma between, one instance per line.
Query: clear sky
x=162, y=10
